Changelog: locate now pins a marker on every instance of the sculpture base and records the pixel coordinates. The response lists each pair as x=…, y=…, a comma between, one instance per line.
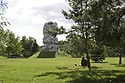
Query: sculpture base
x=47, y=54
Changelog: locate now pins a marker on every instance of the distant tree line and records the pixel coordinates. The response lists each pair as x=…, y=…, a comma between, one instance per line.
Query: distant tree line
x=12, y=46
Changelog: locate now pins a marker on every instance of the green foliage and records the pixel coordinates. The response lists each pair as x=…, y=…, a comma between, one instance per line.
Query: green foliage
x=30, y=46
x=73, y=45
x=10, y=45
x=79, y=13
x=56, y=31
x=3, y=20
x=2, y=47
x=61, y=53
x=47, y=54
x=98, y=20
x=35, y=47
x=26, y=54
x=97, y=54
x=76, y=47
x=14, y=46
x=108, y=17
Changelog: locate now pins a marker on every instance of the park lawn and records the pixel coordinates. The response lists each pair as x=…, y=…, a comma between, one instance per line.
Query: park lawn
x=60, y=70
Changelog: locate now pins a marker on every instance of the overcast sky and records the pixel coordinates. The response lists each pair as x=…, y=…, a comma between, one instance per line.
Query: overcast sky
x=27, y=17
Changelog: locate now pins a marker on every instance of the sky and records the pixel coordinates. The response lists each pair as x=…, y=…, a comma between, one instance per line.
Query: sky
x=27, y=17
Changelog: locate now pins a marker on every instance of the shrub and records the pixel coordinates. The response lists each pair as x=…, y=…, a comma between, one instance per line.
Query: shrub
x=26, y=54
x=62, y=53
x=97, y=54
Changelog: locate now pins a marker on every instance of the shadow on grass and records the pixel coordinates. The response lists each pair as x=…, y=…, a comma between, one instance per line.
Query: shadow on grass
x=84, y=76
x=119, y=65
x=77, y=68
x=2, y=65
x=98, y=62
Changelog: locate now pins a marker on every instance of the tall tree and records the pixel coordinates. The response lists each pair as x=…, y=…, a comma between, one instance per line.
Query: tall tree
x=9, y=44
x=79, y=14
x=30, y=46
x=108, y=17
x=3, y=23
x=101, y=20
x=14, y=46
x=35, y=47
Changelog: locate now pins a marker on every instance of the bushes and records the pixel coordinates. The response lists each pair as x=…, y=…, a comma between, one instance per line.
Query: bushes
x=97, y=54
x=30, y=46
x=26, y=54
x=62, y=53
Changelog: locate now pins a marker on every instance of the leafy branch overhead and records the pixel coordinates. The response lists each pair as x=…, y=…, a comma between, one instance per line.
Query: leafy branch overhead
x=3, y=20
x=56, y=31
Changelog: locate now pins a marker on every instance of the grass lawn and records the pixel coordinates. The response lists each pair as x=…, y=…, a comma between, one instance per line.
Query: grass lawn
x=60, y=70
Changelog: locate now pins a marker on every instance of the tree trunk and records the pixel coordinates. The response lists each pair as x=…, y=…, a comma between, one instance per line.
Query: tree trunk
x=8, y=56
x=87, y=51
x=88, y=59
x=120, y=59
x=120, y=56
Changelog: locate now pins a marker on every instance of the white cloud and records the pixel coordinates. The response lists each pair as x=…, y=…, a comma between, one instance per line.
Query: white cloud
x=27, y=17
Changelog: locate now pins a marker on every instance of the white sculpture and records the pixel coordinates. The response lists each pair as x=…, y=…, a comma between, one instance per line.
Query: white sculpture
x=50, y=40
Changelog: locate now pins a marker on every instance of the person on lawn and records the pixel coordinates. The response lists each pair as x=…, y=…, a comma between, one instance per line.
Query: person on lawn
x=83, y=62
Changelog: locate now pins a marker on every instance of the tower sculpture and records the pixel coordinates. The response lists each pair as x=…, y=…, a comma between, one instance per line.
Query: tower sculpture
x=50, y=40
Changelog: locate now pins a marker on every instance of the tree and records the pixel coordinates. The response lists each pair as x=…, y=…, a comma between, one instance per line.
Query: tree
x=75, y=44
x=9, y=45
x=108, y=17
x=30, y=46
x=3, y=23
x=79, y=14
x=2, y=9
x=2, y=41
x=98, y=52
x=35, y=47
x=13, y=45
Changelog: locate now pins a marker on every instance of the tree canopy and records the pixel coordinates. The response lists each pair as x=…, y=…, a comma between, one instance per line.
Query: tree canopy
x=99, y=20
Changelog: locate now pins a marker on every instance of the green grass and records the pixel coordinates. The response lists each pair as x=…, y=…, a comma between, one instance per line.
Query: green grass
x=60, y=70
x=35, y=55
